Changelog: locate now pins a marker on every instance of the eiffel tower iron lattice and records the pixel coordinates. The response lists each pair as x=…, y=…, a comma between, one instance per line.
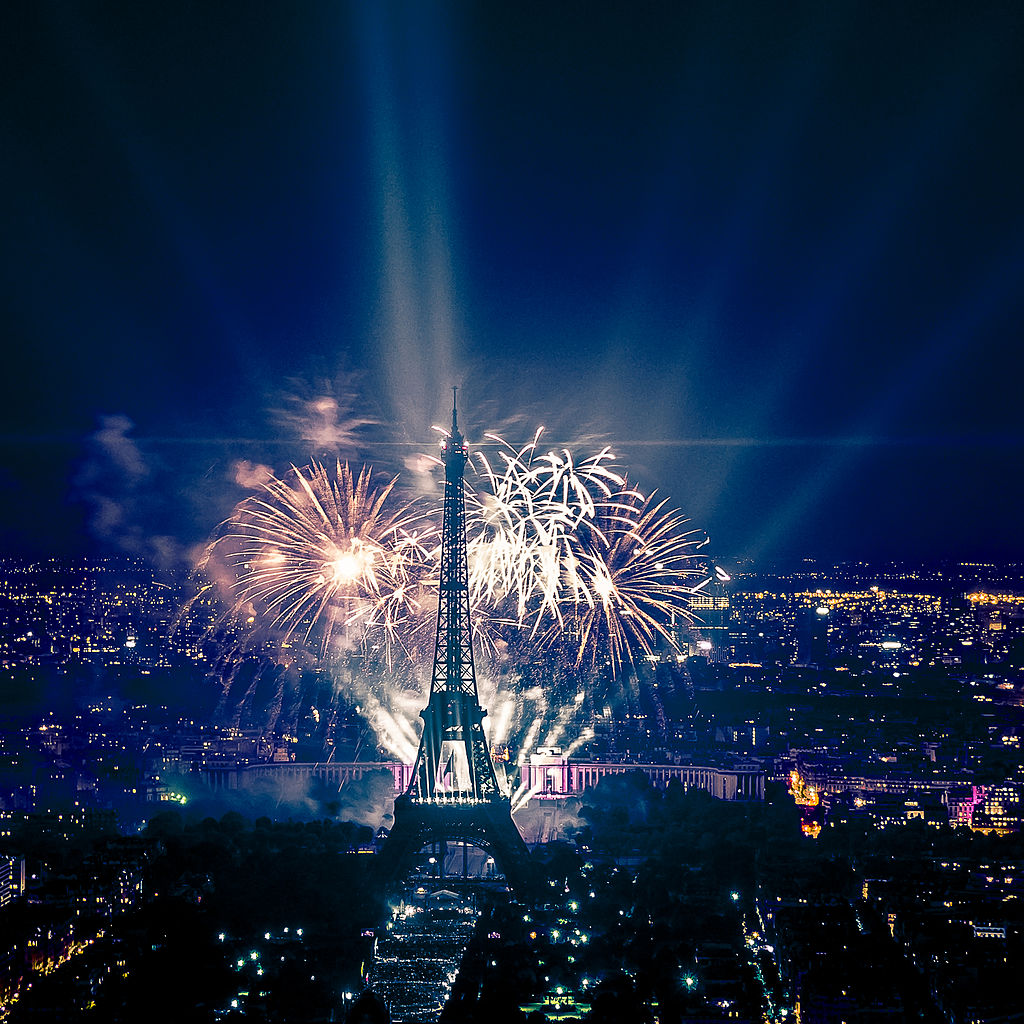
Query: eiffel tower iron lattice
x=454, y=794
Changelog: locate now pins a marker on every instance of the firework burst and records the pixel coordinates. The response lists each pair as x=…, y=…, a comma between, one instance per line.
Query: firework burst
x=564, y=549
x=635, y=567
x=328, y=552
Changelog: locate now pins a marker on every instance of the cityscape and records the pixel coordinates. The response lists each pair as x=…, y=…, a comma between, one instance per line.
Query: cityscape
x=823, y=787
x=511, y=513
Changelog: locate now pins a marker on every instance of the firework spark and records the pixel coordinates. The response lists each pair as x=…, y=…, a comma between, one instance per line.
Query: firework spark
x=522, y=524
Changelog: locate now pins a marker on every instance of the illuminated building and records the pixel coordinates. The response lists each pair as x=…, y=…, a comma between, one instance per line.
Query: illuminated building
x=709, y=635
x=1001, y=810
x=12, y=879
x=814, y=636
x=549, y=774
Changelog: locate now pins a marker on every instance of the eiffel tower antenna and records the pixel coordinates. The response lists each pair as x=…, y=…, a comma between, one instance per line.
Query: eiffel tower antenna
x=454, y=793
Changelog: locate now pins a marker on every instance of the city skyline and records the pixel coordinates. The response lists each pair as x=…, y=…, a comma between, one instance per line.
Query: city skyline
x=772, y=258
x=819, y=782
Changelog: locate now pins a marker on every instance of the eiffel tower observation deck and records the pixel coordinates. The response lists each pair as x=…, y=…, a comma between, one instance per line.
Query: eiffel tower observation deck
x=454, y=794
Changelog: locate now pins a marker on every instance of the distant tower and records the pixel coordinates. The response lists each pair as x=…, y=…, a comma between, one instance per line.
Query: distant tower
x=454, y=794
x=812, y=637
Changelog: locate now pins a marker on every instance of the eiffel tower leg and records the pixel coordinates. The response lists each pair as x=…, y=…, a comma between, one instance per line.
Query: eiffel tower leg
x=487, y=825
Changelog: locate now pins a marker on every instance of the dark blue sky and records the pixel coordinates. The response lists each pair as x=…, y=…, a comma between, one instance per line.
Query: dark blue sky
x=773, y=254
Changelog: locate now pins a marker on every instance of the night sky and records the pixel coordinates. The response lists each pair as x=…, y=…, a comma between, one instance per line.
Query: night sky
x=772, y=253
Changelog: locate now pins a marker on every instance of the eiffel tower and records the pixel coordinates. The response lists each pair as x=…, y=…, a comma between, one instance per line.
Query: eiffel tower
x=454, y=794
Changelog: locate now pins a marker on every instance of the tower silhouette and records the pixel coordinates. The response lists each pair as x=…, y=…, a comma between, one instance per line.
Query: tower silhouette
x=454, y=794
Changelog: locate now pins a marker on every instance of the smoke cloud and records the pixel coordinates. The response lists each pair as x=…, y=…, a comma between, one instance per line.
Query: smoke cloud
x=115, y=483
x=367, y=801
x=250, y=475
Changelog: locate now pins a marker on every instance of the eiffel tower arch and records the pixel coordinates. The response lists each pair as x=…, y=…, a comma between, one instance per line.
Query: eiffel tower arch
x=454, y=794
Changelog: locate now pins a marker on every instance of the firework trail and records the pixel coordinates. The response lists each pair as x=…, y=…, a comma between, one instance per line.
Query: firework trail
x=393, y=722
x=565, y=713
